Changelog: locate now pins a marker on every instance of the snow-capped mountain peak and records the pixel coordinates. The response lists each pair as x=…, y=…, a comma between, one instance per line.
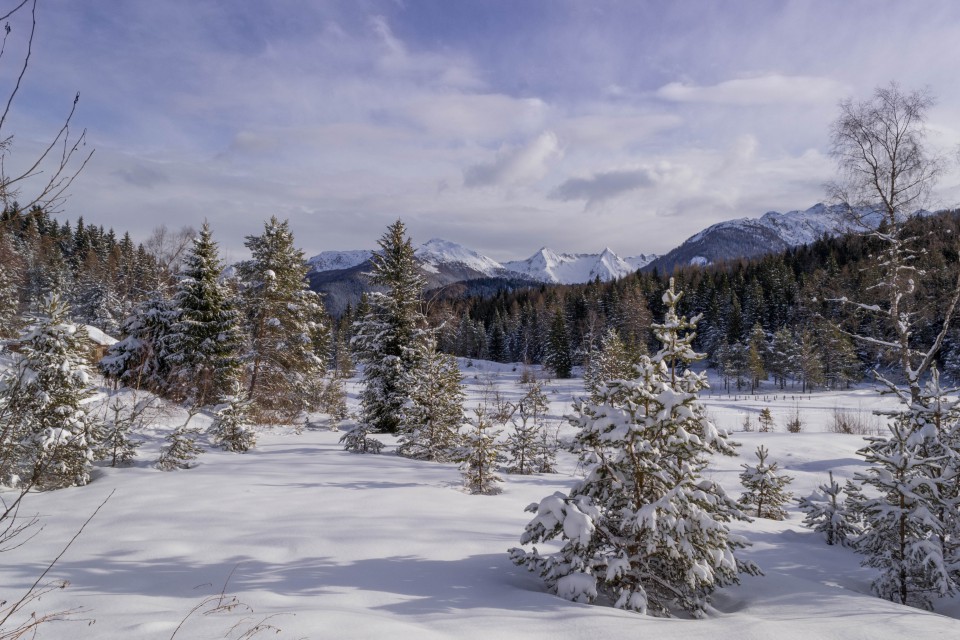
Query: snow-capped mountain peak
x=547, y=265
x=335, y=260
x=437, y=252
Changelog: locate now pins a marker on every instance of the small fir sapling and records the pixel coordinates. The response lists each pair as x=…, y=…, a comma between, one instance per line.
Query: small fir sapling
x=182, y=448
x=764, y=494
x=545, y=454
x=119, y=446
x=358, y=440
x=766, y=420
x=827, y=513
x=231, y=425
x=795, y=423
x=522, y=443
x=480, y=455
x=333, y=401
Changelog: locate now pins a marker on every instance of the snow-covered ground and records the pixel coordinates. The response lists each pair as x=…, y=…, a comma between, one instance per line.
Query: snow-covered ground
x=337, y=545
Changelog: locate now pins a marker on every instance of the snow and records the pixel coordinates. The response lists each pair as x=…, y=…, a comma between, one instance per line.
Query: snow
x=339, y=545
x=437, y=251
x=544, y=266
x=97, y=336
x=547, y=265
x=333, y=260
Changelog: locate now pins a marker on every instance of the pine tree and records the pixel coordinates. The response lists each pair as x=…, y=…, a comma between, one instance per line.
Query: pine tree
x=46, y=429
x=910, y=521
x=181, y=448
x=766, y=420
x=756, y=356
x=643, y=527
x=231, y=426
x=764, y=488
x=431, y=422
x=333, y=401
x=558, y=355
x=10, y=281
x=611, y=362
x=204, y=344
x=139, y=360
x=282, y=366
x=827, y=513
x=391, y=339
x=480, y=455
x=119, y=446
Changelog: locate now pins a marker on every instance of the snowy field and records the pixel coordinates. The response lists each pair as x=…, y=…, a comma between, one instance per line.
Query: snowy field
x=327, y=544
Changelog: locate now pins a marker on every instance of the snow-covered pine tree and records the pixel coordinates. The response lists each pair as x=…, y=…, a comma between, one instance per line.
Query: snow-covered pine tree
x=282, y=367
x=44, y=424
x=531, y=447
x=611, y=362
x=480, y=455
x=545, y=453
x=333, y=400
x=643, y=528
x=764, y=494
x=911, y=519
x=391, y=339
x=231, y=427
x=10, y=280
x=827, y=514
x=204, y=345
x=522, y=443
x=181, y=448
x=431, y=424
x=359, y=440
x=139, y=359
x=119, y=446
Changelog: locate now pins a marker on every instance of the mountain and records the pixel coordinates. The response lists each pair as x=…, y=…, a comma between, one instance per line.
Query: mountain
x=334, y=260
x=570, y=268
x=770, y=233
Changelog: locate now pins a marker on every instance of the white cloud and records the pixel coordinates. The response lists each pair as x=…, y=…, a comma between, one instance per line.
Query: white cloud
x=516, y=165
x=760, y=90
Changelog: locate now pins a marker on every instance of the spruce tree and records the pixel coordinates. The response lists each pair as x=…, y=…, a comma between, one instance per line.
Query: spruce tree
x=558, y=356
x=181, y=448
x=433, y=418
x=231, y=425
x=205, y=341
x=827, y=513
x=139, y=360
x=391, y=339
x=282, y=366
x=910, y=518
x=119, y=446
x=643, y=528
x=46, y=430
x=480, y=455
x=766, y=420
x=764, y=494
x=611, y=362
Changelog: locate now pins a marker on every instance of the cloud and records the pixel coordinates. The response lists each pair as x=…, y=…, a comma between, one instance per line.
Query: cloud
x=605, y=185
x=760, y=90
x=515, y=166
x=140, y=175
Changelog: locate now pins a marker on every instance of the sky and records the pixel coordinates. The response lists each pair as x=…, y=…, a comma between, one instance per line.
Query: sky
x=503, y=125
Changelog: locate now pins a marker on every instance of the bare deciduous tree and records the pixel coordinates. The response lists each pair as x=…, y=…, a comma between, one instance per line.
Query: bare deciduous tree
x=886, y=167
x=51, y=172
